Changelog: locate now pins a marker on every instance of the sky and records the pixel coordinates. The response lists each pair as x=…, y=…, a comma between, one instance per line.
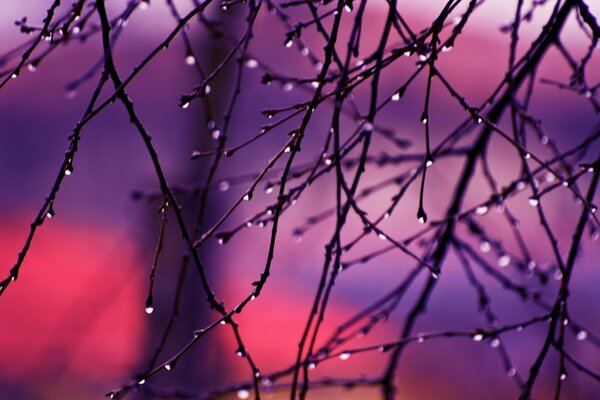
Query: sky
x=74, y=323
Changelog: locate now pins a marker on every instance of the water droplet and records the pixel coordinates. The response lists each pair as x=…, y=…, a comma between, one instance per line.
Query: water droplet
x=243, y=394
x=253, y=297
x=386, y=215
x=478, y=337
x=396, y=96
x=533, y=202
x=558, y=275
x=511, y=372
x=582, y=335
x=288, y=86
x=141, y=381
x=144, y=5
x=503, y=260
x=168, y=367
x=565, y=322
x=31, y=67
x=207, y=89
x=70, y=94
x=149, y=310
x=485, y=246
x=240, y=353
x=429, y=163
x=185, y=105
x=563, y=376
x=14, y=75
x=423, y=57
x=297, y=236
x=68, y=170
x=223, y=322
x=423, y=120
x=345, y=355
x=381, y=236
x=224, y=186
x=420, y=339
x=446, y=48
x=216, y=133
x=495, y=343
x=251, y=63
x=481, y=210
x=190, y=60
x=527, y=156
x=328, y=161
x=479, y=120
x=50, y=213
x=288, y=43
x=435, y=275
x=347, y=8
x=305, y=51
x=287, y=149
x=269, y=189
x=315, y=84
x=312, y=365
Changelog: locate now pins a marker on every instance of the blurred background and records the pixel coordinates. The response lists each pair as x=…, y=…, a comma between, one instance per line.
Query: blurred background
x=74, y=325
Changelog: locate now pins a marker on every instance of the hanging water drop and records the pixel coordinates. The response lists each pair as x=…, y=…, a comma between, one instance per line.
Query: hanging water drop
x=288, y=86
x=185, y=105
x=478, y=337
x=243, y=394
x=345, y=355
x=381, y=236
x=168, y=367
x=396, y=96
x=533, y=202
x=251, y=63
x=503, y=260
x=190, y=60
x=485, y=246
x=141, y=381
x=511, y=372
x=288, y=42
x=149, y=309
x=495, y=343
x=582, y=335
x=481, y=210
x=240, y=353
x=563, y=376
x=224, y=186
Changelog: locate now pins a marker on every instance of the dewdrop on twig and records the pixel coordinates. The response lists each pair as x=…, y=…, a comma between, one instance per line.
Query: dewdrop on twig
x=190, y=60
x=503, y=260
x=481, y=210
x=149, y=309
x=251, y=63
x=243, y=394
x=224, y=186
x=345, y=355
